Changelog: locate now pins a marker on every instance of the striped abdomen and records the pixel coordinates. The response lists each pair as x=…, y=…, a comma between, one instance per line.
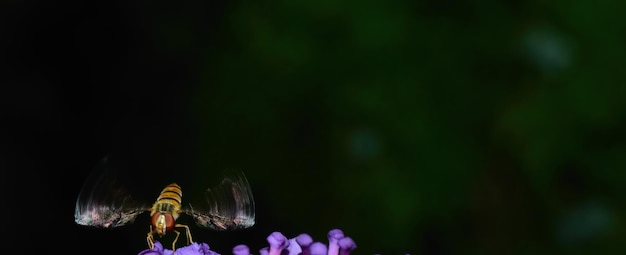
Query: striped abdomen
x=166, y=209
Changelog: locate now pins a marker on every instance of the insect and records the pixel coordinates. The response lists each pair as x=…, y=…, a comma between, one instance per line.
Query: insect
x=107, y=201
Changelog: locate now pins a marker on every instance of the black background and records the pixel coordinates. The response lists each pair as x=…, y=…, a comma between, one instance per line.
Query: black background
x=82, y=80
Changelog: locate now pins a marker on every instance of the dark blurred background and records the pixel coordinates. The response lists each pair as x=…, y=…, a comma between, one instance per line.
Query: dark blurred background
x=422, y=127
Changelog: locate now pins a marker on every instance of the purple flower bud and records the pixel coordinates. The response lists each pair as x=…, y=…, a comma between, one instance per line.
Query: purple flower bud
x=264, y=251
x=277, y=242
x=241, y=249
x=192, y=249
x=293, y=248
x=346, y=245
x=150, y=252
x=318, y=248
x=195, y=249
x=156, y=250
x=304, y=240
x=333, y=237
x=204, y=248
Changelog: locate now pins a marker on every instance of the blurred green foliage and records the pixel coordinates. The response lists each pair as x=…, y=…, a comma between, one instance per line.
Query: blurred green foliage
x=430, y=127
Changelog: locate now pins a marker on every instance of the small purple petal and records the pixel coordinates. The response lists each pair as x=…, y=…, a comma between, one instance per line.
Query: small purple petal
x=158, y=246
x=192, y=249
x=335, y=234
x=150, y=252
x=264, y=251
x=293, y=248
x=304, y=240
x=318, y=248
x=188, y=250
x=241, y=249
x=156, y=250
x=205, y=250
x=346, y=245
x=277, y=242
x=333, y=237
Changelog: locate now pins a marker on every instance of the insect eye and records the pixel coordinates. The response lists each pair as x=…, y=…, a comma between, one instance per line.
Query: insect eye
x=159, y=220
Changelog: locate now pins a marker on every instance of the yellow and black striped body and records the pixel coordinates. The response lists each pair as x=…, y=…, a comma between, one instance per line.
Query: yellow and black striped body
x=164, y=213
x=166, y=209
x=169, y=200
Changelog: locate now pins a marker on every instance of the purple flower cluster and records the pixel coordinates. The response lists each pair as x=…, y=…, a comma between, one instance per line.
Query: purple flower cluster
x=192, y=249
x=303, y=244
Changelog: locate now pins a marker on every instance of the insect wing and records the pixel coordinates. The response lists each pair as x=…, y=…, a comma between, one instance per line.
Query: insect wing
x=104, y=201
x=227, y=206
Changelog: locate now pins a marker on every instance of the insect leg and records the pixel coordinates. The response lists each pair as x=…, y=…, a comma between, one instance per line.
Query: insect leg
x=175, y=239
x=150, y=238
x=189, y=239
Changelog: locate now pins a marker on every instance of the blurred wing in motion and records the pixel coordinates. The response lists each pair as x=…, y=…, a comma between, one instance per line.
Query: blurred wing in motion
x=229, y=205
x=104, y=201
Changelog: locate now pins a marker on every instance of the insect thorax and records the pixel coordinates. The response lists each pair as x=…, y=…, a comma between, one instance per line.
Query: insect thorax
x=165, y=207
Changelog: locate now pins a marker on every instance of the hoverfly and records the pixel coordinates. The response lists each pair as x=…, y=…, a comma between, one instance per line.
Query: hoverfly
x=105, y=201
